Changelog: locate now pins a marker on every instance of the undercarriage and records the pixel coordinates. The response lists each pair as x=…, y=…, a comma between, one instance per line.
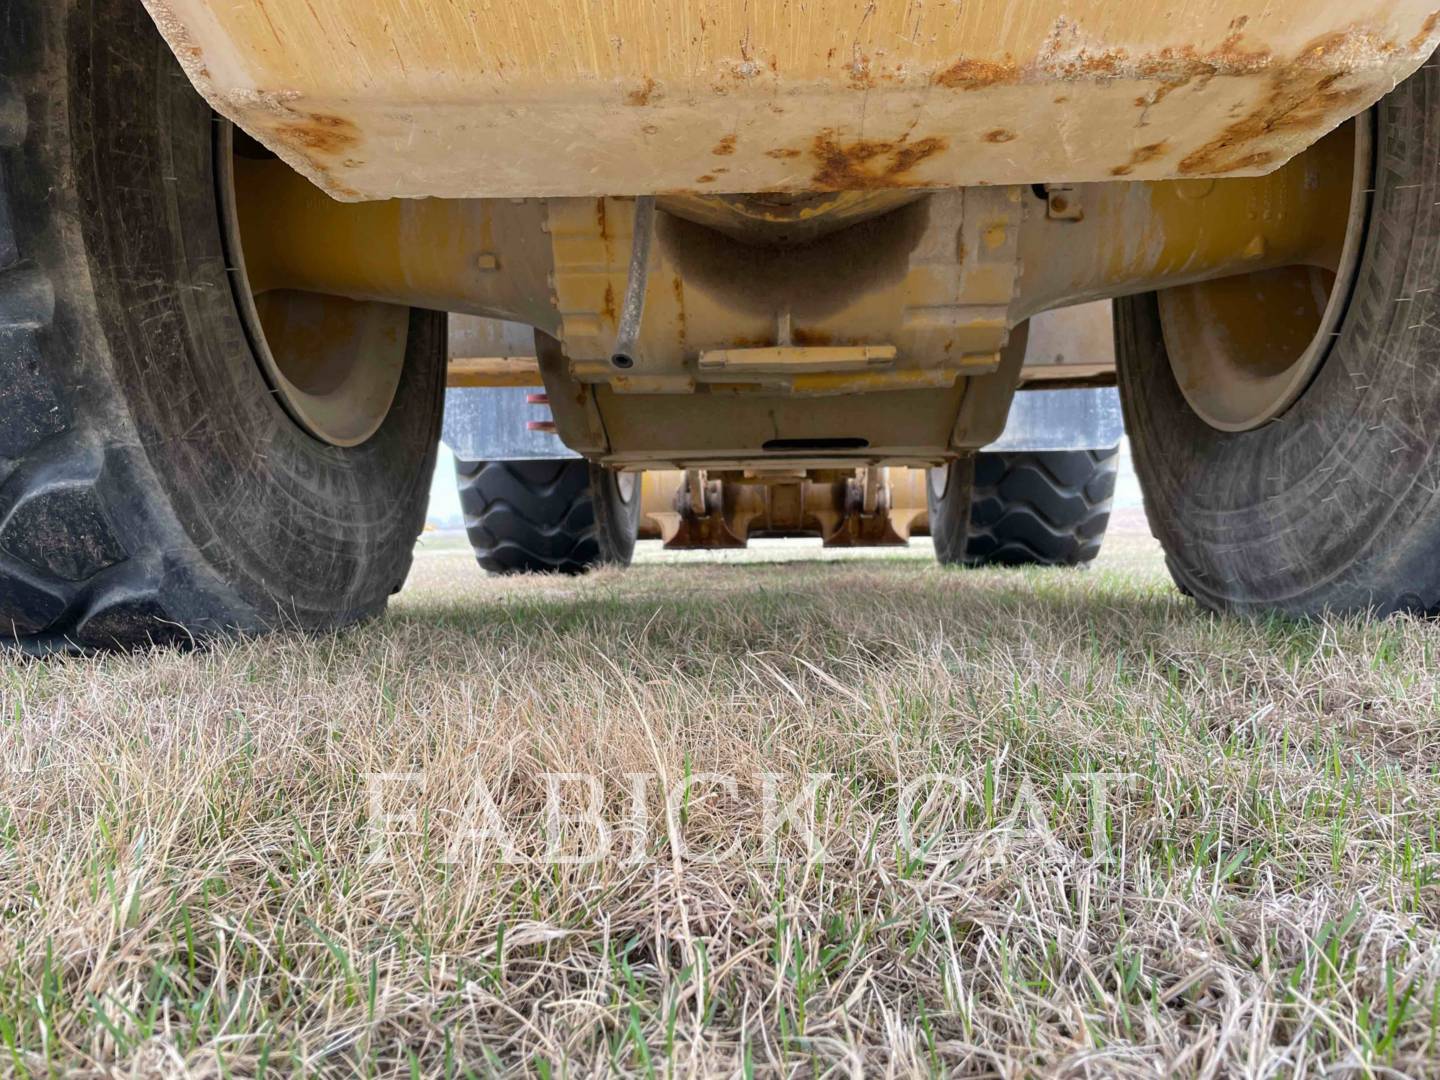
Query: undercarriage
x=768, y=258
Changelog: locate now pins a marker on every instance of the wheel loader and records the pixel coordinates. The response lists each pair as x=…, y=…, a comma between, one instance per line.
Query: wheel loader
x=778, y=253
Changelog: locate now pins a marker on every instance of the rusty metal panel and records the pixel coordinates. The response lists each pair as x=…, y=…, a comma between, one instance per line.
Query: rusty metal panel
x=587, y=97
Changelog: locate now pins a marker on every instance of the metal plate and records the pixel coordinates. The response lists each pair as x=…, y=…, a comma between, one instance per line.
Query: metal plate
x=1086, y=419
x=588, y=97
x=489, y=424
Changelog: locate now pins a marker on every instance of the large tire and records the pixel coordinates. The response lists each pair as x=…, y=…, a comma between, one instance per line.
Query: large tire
x=1046, y=508
x=948, y=491
x=562, y=516
x=1335, y=506
x=151, y=485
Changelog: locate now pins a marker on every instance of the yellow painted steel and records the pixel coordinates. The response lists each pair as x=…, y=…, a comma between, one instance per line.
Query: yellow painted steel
x=1136, y=237
x=930, y=291
x=496, y=257
x=477, y=371
x=387, y=98
x=485, y=257
x=791, y=359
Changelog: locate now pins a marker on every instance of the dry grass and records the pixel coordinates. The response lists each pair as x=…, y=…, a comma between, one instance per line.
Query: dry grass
x=186, y=884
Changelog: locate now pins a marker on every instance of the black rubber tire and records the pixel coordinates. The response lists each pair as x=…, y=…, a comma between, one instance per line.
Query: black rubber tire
x=562, y=516
x=1043, y=508
x=151, y=486
x=1333, y=508
x=948, y=491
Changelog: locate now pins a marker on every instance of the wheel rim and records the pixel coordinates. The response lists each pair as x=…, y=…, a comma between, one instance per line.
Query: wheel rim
x=626, y=484
x=1244, y=348
x=334, y=363
x=939, y=481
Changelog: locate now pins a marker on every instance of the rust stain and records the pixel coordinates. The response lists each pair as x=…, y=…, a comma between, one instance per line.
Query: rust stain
x=811, y=338
x=609, y=308
x=708, y=178
x=971, y=74
x=1426, y=30
x=678, y=287
x=1177, y=67
x=1000, y=135
x=1303, y=93
x=724, y=146
x=1141, y=155
x=861, y=77
x=740, y=71
x=322, y=133
x=782, y=152
x=869, y=163
x=1173, y=67
x=1110, y=64
x=642, y=94
x=600, y=221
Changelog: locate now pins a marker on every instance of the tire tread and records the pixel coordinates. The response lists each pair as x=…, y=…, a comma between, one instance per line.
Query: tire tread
x=534, y=516
x=1045, y=508
x=95, y=551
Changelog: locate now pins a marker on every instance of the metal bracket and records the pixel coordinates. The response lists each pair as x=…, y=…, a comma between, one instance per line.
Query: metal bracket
x=1062, y=203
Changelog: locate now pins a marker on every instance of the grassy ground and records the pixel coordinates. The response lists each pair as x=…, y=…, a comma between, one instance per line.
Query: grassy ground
x=193, y=879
